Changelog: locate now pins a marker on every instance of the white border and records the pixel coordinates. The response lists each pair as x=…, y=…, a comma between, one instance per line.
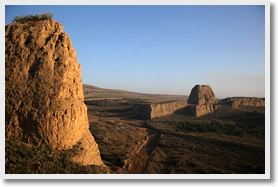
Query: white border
x=143, y=176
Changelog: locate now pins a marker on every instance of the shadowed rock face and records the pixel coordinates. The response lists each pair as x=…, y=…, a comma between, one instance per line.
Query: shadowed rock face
x=44, y=96
x=201, y=94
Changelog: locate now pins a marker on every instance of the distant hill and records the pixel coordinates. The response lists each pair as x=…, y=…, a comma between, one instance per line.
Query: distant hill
x=93, y=92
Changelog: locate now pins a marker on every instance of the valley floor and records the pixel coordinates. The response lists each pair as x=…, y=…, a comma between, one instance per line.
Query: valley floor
x=228, y=141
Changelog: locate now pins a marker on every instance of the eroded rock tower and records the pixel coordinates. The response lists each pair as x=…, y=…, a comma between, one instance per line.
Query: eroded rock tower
x=201, y=99
x=44, y=96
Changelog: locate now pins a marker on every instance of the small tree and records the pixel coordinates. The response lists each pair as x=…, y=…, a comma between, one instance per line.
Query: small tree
x=28, y=17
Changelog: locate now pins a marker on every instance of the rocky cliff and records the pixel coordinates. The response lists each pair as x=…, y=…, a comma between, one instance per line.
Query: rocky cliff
x=149, y=111
x=201, y=100
x=201, y=110
x=44, y=101
x=201, y=94
x=235, y=102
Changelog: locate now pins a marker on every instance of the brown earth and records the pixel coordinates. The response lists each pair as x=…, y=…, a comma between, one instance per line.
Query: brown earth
x=114, y=94
x=227, y=140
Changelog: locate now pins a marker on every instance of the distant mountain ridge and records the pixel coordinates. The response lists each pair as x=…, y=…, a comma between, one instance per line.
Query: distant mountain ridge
x=94, y=92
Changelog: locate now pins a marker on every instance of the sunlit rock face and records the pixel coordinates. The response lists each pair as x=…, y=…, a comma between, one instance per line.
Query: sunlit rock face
x=201, y=99
x=201, y=94
x=235, y=102
x=44, y=101
x=150, y=111
x=201, y=110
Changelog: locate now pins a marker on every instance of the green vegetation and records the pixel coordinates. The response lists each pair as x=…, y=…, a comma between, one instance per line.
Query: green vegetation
x=237, y=129
x=23, y=158
x=248, y=123
x=25, y=18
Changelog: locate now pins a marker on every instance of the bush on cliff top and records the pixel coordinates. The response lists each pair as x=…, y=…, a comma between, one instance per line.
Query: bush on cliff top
x=28, y=17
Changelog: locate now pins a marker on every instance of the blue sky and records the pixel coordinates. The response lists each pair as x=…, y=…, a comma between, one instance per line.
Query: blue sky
x=165, y=49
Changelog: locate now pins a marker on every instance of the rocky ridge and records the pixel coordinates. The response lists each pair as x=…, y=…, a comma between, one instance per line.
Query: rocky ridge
x=235, y=102
x=44, y=101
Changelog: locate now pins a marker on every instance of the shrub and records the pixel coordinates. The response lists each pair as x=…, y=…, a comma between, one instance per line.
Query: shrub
x=237, y=129
x=37, y=17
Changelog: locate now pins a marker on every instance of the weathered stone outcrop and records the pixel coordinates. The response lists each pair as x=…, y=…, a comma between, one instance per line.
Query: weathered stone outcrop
x=149, y=111
x=44, y=97
x=235, y=102
x=200, y=110
x=201, y=94
x=201, y=100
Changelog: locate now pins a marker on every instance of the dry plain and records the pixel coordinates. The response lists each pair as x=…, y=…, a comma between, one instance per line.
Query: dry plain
x=226, y=141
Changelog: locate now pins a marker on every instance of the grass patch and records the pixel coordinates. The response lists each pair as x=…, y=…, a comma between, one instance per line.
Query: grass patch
x=237, y=129
x=21, y=158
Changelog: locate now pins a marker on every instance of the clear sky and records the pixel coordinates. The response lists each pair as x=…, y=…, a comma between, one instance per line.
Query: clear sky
x=165, y=49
